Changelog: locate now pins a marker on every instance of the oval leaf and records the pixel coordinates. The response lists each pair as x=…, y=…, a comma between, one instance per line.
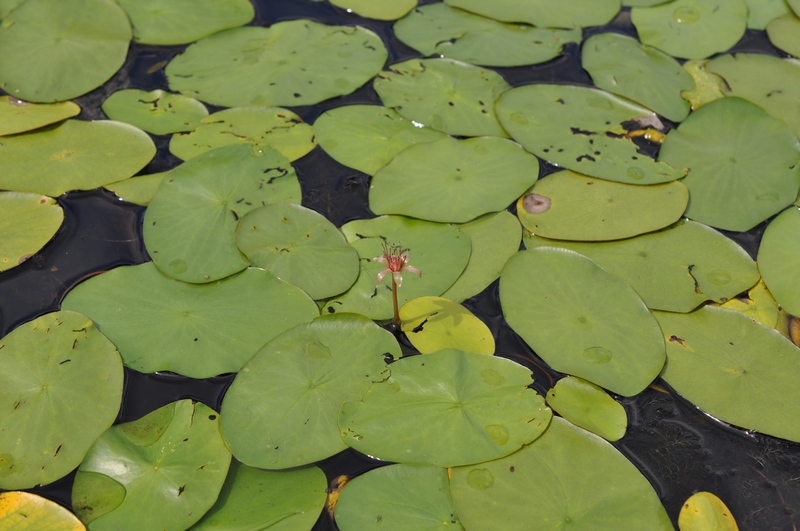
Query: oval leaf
x=434, y=323
x=17, y=116
x=570, y=13
x=157, y=112
x=23, y=511
x=588, y=406
x=778, y=256
x=705, y=512
x=27, y=223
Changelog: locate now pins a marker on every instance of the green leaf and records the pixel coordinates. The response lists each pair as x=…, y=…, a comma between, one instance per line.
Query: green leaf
x=281, y=410
x=446, y=409
x=27, y=223
x=23, y=511
x=377, y=9
x=171, y=465
x=588, y=406
x=17, y=116
x=581, y=320
x=778, y=256
x=784, y=33
x=139, y=190
x=761, y=12
x=198, y=330
x=435, y=323
x=52, y=371
x=157, y=112
x=452, y=180
x=570, y=13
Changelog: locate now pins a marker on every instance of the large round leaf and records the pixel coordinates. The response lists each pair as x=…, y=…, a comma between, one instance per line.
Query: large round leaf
x=744, y=164
x=448, y=408
x=588, y=406
x=296, y=62
x=435, y=323
x=17, y=116
x=452, y=180
x=675, y=269
x=784, y=33
x=162, y=471
x=55, y=50
x=445, y=95
x=569, y=206
x=198, y=330
x=156, y=112
x=190, y=225
x=378, y=9
x=440, y=251
x=23, y=511
x=581, y=319
x=281, y=410
x=778, y=257
x=367, y=137
x=74, y=155
x=581, y=129
x=736, y=369
x=27, y=223
x=398, y=497
x=568, y=478
x=52, y=371
x=570, y=13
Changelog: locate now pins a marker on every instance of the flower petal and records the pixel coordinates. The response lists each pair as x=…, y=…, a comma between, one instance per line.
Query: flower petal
x=381, y=275
x=398, y=278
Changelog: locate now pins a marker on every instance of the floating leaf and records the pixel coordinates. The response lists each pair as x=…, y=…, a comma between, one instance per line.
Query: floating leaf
x=435, y=323
x=367, y=137
x=268, y=66
x=643, y=74
x=377, y=9
x=448, y=408
x=705, y=512
x=736, y=369
x=445, y=95
x=581, y=129
x=581, y=319
x=184, y=21
x=761, y=12
x=569, y=206
x=17, y=116
x=567, y=477
x=795, y=5
x=784, y=33
x=157, y=112
x=52, y=371
x=7, y=6
x=398, y=497
x=438, y=29
x=27, y=223
x=74, y=155
x=707, y=86
x=56, y=50
x=198, y=330
x=675, y=269
x=452, y=180
x=759, y=305
x=281, y=410
x=23, y=511
x=588, y=406
x=167, y=469
x=744, y=164
x=139, y=190
x=691, y=29
x=190, y=225
x=643, y=3
x=299, y=246
x=279, y=129
x=778, y=256
x=570, y=13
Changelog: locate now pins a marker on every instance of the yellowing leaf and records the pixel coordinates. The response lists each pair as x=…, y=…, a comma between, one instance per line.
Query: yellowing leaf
x=23, y=511
x=435, y=323
x=705, y=512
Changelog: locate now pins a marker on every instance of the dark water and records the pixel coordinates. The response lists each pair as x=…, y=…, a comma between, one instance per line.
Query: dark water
x=677, y=447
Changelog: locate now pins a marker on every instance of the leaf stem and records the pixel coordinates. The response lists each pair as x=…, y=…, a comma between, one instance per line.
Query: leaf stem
x=396, y=319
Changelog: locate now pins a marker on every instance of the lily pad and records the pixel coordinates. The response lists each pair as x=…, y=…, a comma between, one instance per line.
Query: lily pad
x=17, y=116
x=398, y=497
x=581, y=129
x=452, y=180
x=691, y=29
x=157, y=112
x=56, y=50
x=264, y=499
x=280, y=129
x=368, y=137
x=299, y=246
x=438, y=29
x=675, y=269
x=570, y=13
x=190, y=225
x=377, y=9
x=567, y=477
x=641, y=73
x=184, y=21
x=24, y=511
x=778, y=257
x=74, y=155
x=27, y=223
x=281, y=410
x=569, y=206
x=705, y=512
x=759, y=305
x=162, y=471
x=784, y=33
x=435, y=323
x=139, y=190
x=588, y=406
x=446, y=409
x=444, y=94
x=7, y=6
x=581, y=319
x=440, y=251
x=795, y=5
x=761, y=12
x=744, y=164
x=198, y=330
x=734, y=368
x=291, y=63
x=707, y=86
x=52, y=370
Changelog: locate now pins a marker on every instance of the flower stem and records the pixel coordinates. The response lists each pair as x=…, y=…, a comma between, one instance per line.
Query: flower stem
x=396, y=319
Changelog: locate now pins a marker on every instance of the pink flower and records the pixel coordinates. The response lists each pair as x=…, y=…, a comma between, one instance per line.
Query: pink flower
x=395, y=259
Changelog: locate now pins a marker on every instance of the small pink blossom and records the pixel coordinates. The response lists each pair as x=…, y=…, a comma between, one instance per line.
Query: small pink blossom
x=395, y=258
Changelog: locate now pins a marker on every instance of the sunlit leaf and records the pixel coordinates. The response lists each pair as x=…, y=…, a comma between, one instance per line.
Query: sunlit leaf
x=784, y=33
x=27, y=223
x=23, y=511
x=17, y=116
x=588, y=406
x=570, y=13
x=377, y=9
x=761, y=12
x=435, y=323
x=759, y=305
x=705, y=512
x=778, y=256
x=156, y=112
x=707, y=86
x=139, y=190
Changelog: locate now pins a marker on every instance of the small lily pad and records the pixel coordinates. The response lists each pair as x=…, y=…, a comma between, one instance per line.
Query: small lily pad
x=588, y=406
x=435, y=323
x=24, y=511
x=707, y=86
x=281, y=410
x=570, y=13
x=705, y=512
x=157, y=112
x=377, y=9
x=444, y=94
x=139, y=190
x=27, y=223
x=446, y=409
x=778, y=256
x=17, y=116
x=784, y=33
